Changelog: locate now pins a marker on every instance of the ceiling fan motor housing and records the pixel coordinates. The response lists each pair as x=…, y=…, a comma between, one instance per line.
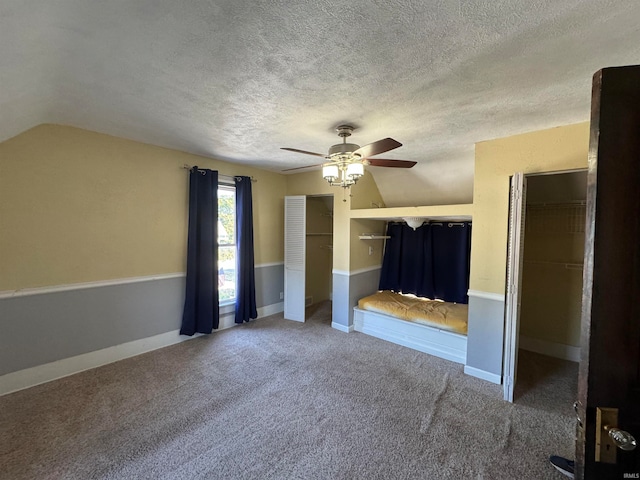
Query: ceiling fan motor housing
x=350, y=159
x=343, y=149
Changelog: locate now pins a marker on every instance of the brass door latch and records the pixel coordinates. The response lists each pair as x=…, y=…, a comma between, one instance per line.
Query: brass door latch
x=609, y=437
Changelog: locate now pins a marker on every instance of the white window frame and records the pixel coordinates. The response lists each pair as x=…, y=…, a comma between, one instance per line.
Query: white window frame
x=230, y=301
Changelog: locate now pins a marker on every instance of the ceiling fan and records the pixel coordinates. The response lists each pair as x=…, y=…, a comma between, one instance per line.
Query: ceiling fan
x=345, y=161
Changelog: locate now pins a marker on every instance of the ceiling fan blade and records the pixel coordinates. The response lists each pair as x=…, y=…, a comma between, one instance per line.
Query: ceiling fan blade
x=300, y=168
x=382, y=162
x=378, y=147
x=302, y=151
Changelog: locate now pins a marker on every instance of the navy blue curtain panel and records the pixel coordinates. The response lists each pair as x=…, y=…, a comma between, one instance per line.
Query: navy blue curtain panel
x=407, y=263
x=201, y=312
x=431, y=261
x=451, y=260
x=245, y=272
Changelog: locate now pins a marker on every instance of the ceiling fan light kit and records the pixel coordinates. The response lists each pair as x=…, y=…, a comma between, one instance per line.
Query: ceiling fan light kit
x=346, y=161
x=330, y=172
x=342, y=173
x=355, y=170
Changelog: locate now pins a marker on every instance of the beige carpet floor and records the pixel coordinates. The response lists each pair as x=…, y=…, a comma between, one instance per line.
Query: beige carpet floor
x=275, y=399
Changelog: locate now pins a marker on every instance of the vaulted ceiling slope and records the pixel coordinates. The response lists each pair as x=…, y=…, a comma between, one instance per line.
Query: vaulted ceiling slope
x=238, y=79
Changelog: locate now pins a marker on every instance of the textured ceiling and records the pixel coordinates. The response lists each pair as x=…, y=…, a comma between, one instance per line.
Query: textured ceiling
x=237, y=79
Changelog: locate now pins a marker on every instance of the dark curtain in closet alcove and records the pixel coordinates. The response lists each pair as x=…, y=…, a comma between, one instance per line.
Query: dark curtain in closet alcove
x=407, y=265
x=432, y=261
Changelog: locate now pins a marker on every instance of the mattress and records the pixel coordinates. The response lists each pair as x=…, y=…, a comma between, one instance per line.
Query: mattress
x=434, y=313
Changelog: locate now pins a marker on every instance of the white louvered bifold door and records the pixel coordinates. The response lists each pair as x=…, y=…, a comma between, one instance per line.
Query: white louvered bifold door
x=514, y=282
x=295, y=242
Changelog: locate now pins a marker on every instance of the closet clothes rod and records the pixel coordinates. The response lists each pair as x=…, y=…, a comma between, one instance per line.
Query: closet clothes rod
x=569, y=203
x=228, y=178
x=449, y=224
x=569, y=265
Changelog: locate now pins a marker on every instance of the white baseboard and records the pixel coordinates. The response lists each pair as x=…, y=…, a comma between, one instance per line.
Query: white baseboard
x=342, y=328
x=270, y=309
x=476, y=372
x=30, y=377
x=551, y=349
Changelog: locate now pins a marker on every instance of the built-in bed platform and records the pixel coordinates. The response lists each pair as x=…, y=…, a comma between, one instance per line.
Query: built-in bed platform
x=434, y=327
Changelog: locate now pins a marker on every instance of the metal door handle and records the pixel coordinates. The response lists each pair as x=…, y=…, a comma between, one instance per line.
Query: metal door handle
x=623, y=440
x=609, y=438
x=576, y=404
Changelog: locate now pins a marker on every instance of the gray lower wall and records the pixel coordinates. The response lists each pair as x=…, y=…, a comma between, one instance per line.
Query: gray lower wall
x=269, y=284
x=348, y=289
x=340, y=300
x=42, y=328
x=485, y=334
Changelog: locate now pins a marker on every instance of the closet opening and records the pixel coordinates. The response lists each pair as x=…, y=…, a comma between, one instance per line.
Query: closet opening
x=308, y=257
x=319, y=259
x=546, y=339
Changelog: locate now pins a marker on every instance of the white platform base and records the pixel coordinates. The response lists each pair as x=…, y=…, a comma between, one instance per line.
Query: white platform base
x=440, y=343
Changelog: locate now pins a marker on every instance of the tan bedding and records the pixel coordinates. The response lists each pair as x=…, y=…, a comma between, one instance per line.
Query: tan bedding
x=434, y=313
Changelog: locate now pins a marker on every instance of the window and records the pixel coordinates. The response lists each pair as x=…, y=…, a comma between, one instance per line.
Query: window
x=226, y=244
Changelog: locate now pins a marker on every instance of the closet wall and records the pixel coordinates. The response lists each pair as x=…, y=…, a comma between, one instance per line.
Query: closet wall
x=552, y=270
x=319, y=258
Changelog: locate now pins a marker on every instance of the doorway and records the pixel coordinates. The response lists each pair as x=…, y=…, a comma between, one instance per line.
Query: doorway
x=551, y=289
x=546, y=293
x=308, y=253
x=319, y=259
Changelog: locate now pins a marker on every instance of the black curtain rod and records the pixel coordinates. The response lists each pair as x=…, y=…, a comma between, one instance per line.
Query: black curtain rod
x=189, y=167
x=449, y=224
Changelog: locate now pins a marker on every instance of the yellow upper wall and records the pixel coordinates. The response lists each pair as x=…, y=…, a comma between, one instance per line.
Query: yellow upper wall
x=365, y=194
x=556, y=149
x=79, y=206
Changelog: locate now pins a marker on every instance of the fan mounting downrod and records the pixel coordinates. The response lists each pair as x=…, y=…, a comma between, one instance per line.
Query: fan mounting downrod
x=343, y=148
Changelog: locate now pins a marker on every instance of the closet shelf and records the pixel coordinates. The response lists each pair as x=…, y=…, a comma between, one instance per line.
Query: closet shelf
x=373, y=236
x=569, y=265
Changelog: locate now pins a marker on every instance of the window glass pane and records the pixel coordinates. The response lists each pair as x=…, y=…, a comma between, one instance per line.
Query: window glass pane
x=227, y=273
x=226, y=216
x=226, y=243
